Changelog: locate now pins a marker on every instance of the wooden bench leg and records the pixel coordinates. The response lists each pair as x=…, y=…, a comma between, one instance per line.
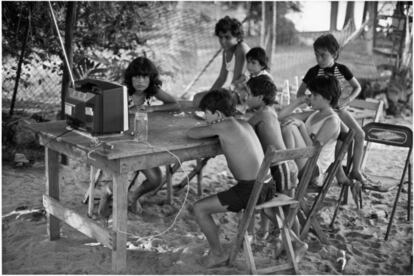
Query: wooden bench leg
x=168, y=179
x=199, y=177
x=52, y=190
x=119, y=223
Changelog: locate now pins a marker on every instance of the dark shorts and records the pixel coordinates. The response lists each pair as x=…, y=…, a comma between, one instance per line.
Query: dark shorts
x=285, y=176
x=237, y=197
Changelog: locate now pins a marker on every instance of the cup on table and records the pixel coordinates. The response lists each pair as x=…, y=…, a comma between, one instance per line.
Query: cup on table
x=138, y=125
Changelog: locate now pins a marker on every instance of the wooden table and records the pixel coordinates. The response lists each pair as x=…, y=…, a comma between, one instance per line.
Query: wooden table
x=167, y=130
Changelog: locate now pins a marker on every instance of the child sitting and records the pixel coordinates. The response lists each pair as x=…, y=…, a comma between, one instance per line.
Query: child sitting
x=257, y=62
x=244, y=155
x=322, y=125
x=230, y=35
x=143, y=83
x=267, y=127
x=326, y=50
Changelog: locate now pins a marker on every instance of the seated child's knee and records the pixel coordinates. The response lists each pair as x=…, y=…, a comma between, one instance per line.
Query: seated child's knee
x=359, y=134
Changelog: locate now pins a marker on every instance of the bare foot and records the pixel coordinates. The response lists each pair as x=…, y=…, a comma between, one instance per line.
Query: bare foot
x=213, y=260
x=357, y=175
x=345, y=181
x=136, y=208
x=300, y=251
x=278, y=247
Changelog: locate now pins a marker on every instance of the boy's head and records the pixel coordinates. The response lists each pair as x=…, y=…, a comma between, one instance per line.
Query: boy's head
x=262, y=86
x=256, y=60
x=219, y=100
x=326, y=49
x=227, y=26
x=326, y=86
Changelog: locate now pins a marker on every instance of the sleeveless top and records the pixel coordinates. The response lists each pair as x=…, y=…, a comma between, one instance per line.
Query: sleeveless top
x=327, y=155
x=230, y=70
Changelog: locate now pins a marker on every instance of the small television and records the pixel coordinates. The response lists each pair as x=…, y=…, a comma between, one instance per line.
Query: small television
x=97, y=107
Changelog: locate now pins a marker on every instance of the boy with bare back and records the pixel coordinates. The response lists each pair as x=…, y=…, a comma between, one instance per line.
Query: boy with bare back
x=244, y=155
x=267, y=127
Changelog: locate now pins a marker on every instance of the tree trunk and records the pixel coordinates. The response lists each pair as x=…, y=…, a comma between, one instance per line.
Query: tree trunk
x=371, y=12
x=269, y=24
x=334, y=16
x=69, y=24
x=349, y=16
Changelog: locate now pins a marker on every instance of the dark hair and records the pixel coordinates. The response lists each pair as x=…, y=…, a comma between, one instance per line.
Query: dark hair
x=142, y=66
x=263, y=85
x=229, y=24
x=326, y=86
x=259, y=54
x=219, y=99
x=328, y=42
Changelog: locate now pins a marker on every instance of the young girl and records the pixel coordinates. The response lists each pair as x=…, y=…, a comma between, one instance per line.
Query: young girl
x=326, y=50
x=143, y=83
x=230, y=35
x=257, y=62
x=322, y=125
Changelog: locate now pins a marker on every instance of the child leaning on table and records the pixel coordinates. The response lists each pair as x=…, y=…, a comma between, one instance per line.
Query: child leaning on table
x=267, y=127
x=326, y=49
x=244, y=155
x=143, y=83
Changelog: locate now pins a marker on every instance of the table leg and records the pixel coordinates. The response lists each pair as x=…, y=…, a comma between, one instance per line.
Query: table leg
x=52, y=190
x=119, y=224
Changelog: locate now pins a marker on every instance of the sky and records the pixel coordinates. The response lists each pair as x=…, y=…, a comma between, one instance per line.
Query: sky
x=307, y=21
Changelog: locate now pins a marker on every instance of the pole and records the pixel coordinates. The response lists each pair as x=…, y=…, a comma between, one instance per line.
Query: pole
x=19, y=65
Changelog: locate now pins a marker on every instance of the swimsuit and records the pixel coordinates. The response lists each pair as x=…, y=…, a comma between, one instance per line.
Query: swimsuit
x=327, y=154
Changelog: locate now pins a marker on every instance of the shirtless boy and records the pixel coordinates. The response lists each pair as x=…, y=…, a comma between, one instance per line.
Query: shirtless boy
x=267, y=127
x=244, y=155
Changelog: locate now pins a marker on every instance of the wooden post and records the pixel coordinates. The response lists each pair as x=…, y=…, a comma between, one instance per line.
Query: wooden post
x=119, y=224
x=334, y=16
x=52, y=190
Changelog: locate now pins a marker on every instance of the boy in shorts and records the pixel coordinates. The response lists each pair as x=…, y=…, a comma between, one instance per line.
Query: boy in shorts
x=244, y=155
x=267, y=127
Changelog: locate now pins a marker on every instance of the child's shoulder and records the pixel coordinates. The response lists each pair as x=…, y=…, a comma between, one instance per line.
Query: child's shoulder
x=242, y=48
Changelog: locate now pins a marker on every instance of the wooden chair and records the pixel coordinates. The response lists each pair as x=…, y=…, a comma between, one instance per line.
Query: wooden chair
x=273, y=156
x=364, y=110
x=398, y=136
x=309, y=216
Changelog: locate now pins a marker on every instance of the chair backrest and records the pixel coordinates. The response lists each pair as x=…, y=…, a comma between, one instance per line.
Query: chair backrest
x=393, y=135
x=376, y=106
x=273, y=156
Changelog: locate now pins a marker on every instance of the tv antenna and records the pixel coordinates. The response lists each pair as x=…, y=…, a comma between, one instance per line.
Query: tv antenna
x=61, y=44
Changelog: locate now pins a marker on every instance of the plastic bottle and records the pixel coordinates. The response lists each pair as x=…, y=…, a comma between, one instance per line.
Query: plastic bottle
x=285, y=98
x=141, y=126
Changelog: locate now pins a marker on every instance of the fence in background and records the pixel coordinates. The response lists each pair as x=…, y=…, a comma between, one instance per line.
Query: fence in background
x=181, y=41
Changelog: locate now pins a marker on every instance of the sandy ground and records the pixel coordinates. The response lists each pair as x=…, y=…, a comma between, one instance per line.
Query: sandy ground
x=27, y=249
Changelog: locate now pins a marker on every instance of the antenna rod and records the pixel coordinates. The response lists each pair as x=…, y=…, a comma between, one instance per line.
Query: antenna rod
x=61, y=44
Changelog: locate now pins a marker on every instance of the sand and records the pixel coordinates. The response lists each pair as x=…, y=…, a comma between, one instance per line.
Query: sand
x=360, y=234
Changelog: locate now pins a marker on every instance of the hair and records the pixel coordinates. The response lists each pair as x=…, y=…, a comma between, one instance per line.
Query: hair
x=259, y=54
x=229, y=24
x=263, y=85
x=326, y=86
x=142, y=66
x=219, y=99
x=328, y=42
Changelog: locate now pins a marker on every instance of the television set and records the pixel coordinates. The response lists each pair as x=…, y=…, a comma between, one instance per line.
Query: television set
x=97, y=107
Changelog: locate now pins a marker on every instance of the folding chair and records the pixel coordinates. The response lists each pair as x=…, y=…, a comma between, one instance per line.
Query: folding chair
x=399, y=136
x=274, y=156
x=332, y=170
x=362, y=111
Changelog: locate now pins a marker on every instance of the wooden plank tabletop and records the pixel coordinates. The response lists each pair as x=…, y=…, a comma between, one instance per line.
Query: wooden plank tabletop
x=166, y=130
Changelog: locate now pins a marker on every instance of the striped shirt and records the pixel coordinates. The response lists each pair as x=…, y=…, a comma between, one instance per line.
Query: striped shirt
x=338, y=70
